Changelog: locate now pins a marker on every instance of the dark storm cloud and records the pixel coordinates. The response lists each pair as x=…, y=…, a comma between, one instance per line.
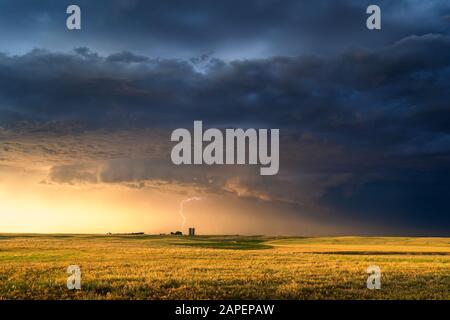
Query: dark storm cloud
x=231, y=29
x=390, y=91
x=364, y=134
x=364, y=116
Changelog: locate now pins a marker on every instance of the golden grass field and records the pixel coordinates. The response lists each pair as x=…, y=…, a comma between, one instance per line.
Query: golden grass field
x=228, y=267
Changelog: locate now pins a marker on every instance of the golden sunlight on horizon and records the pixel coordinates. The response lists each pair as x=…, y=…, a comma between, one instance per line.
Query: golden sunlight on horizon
x=30, y=206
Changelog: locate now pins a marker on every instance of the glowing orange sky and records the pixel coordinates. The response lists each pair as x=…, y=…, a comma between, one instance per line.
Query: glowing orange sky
x=28, y=205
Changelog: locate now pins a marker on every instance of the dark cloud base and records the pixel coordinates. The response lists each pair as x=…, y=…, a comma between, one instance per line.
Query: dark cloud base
x=364, y=134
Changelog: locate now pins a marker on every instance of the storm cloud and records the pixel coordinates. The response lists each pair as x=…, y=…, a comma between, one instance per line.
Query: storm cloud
x=364, y=119
x=231, y=29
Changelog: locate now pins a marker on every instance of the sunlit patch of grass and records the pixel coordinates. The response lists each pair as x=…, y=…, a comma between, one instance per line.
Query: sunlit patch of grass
x=222, y=267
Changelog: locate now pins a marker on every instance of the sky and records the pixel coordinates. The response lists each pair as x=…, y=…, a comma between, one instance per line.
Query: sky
x=364, y=116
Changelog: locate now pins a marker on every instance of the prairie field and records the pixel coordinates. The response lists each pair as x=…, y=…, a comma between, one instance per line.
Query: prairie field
x=222, y=267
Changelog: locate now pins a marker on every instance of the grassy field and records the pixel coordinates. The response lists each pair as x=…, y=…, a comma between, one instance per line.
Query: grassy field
x=229, y=267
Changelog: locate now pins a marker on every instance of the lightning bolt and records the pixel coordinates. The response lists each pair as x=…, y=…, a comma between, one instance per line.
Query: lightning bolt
x=183, y=217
